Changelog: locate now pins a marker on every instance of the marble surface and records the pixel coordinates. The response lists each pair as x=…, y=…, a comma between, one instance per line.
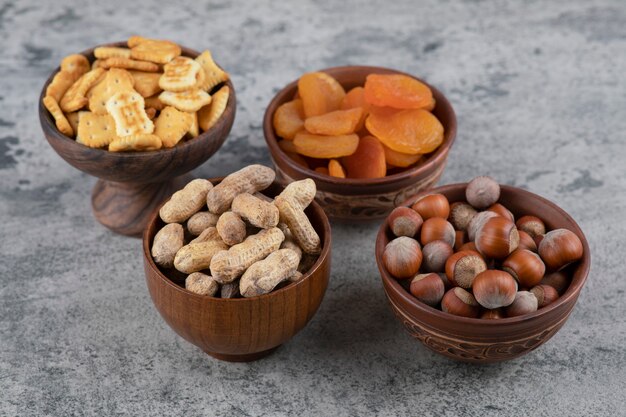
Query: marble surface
x=540, y=96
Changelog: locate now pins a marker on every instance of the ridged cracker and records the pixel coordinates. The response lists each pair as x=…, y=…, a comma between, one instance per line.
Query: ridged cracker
x=59, y=118
x=95, y=131
x=59, y=85
x=189, y=101
x=104, y=52
x=171, y=126
x=154, y=50
x=136, y=40
x=209, y=115
x=214, y=74
x=96, y=64
x=146, y=83
x=180, y=74
x=154, y=102
x=127, y=63
x=116, y=80
x=76, y=64
x=74, y=98
x=194, y=129
x=127, y=108
x=140, y=142
x=73, y=119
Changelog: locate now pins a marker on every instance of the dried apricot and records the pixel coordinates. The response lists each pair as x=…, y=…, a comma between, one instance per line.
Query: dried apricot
x=356, y=98
x=397, y=91
x=320, y=93
x=339, y=122
x=289, y=119
x=368, y=161
x=335, y=169
x=406, y=131
x=317, y=146
x=287, y=146
x=399, y=159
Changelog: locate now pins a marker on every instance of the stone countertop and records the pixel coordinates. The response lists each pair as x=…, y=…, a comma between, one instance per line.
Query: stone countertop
x=540, y=96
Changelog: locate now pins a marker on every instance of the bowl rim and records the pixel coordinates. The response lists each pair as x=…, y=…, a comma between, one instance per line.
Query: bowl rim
x=573, y=290
x=323, y=257
x=271, y=138
x=47, y=121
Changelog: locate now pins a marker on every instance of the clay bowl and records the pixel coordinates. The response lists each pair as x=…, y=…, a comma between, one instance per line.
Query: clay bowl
x=478, y=340
x=362, y=199
x=240, y=329
x=132, y=184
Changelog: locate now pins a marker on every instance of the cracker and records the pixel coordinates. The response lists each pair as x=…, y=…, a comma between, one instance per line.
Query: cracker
x=59, y=118
x=96, y=64
x=73, y=119
x=209, y=115
x=94, y=130
x=171, y=126
x=155, y=102
x=151, y=112
x=214, y=74
x=76, y=64
x=189, y=101
x=139, y=142
x=59, y=85
x=104, y=52
x=146, y=83
x=154, y=50
x=127, y=108
x=74, y=98
x=136, y=40
x=127, y=63
x=194, y=129
x=180, y=74
x=116, y=80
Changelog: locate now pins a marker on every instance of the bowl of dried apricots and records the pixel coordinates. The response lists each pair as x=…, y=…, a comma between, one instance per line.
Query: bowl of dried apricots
x=368, y=136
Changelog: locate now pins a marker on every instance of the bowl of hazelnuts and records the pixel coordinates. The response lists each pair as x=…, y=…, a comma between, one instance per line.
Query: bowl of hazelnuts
x=481, y=272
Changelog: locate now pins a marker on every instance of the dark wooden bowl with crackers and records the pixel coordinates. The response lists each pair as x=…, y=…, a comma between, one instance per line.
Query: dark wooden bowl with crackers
x=239, y=329
x=352, y=199
x=132, y=184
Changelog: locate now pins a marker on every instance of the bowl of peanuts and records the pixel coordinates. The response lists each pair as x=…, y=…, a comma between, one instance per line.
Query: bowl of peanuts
x=369, y=137
x=481, y=272
x=238, y=265
x=138, y=115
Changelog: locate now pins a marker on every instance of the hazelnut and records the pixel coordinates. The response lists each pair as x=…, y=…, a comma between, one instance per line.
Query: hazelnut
x=461, y=214
x=560, y=247
x=404, y=222
x=481, y=192
x=437, y=228
x=494, y=289
x=502, y=211
x=462, y=268
x=434, y=256
x=460, y=238
x=446, y=282
x=478, y=221
x=492, y=314
x=460, y=302
x=468, y=246
x=428, y=288
x=497, y=238
x=526, y=241
x=545, y=294
x=558, y=280
x=402, y=257
x=525, y=266
x=432, y=205
x=525, y=302
x=532, y=225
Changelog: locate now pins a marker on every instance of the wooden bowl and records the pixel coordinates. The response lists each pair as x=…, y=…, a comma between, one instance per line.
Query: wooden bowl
x=131, y=184
x=362, y=199
x=240, y=329
x=480, y=340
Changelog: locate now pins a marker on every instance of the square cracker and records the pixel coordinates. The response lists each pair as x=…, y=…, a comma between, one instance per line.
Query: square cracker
x=180, y=74
x=214, y=74
x=127, y=109
x=171, y=126
x=146, y=83
x=160, y=52
x=59, y=118
x=139, y=142
x=74, y=98
x=94, y=130
x=209, y=115
x=116, y=80
x=73, y=119
x=189, y=101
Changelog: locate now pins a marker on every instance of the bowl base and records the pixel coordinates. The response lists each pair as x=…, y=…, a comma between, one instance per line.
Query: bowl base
x=125, y=208
x=248, y=357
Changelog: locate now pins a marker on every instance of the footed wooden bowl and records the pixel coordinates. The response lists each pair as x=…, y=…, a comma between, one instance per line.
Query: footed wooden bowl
x=480, y=340
x=132, y=184
x=239, y=329
x=362, y=199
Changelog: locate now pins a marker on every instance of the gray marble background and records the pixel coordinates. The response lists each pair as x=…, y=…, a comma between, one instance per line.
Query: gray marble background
x=540, y=95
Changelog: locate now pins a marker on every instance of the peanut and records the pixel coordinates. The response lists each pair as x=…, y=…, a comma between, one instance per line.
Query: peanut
x=255, y=211
x=228, y=265
x=185, y=202
x=295, y=277
x=210, y=233
x=166, y=243
x=262, y=276
x=291, y=204
x=247, y=180
x=231, y=228
x=195, y=257
x=202, y=284
x=289, y=242
x=200, y=221
x=230, y=290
